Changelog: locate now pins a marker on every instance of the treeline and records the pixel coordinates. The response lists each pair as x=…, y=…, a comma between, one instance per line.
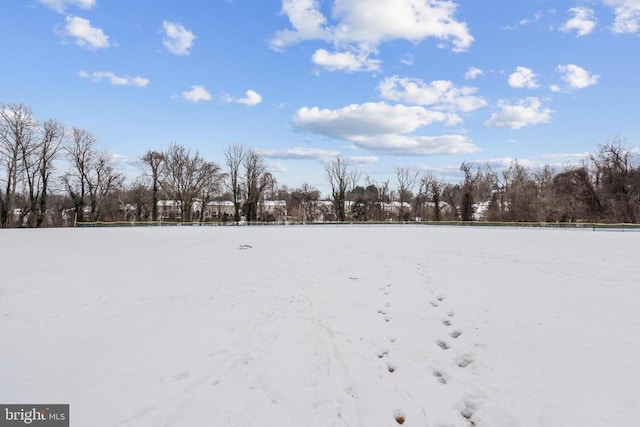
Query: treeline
x=51, y=175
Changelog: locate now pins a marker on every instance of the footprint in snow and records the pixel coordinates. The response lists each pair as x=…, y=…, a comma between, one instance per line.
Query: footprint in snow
x=443, y=345
x=382, y=353
x=455, y=334
x=180, y=376
x=464, y=361
x=440, y=377
x=468, y=411
x=447, y=322
x=434, y=303
x=399, y=416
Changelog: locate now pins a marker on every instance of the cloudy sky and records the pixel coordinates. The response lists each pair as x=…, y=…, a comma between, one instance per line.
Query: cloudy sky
x=419, y=83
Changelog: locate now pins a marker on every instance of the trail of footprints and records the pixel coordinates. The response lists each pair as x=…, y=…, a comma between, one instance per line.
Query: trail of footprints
x=462, y=361
x=398, y=415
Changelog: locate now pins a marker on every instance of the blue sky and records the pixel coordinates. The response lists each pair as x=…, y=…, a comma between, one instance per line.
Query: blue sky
x=419, y=83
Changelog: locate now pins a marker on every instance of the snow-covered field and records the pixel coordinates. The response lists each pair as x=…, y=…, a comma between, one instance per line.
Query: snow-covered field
x=323, y=326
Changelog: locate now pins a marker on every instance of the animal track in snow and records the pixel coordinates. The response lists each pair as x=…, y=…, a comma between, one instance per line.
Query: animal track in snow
x=451, y=313
x=399, y=416
x=433, y=303
x=391, y=367
x=180, y=376
x=464, y=362
x=382, y=353
x=468, y=411
x=440, y=298
x=447, y=322
x=455, y=334
x=443, y=345
x=244, y=247
x=387, y=318
x=440, y=377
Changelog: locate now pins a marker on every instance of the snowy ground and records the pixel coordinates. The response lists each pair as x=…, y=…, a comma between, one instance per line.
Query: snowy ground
x=294, y=326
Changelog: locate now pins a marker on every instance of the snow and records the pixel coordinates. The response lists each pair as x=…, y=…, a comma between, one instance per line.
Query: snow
x=302, y=326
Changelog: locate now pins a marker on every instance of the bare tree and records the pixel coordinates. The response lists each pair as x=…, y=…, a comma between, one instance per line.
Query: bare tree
x=81, y=152
x=38, y=167
x=234, y=157
x=431, y=191
x=92, y=176
x=406, y=181
x=576, y=191
x=188, y=178
x=468, y=186
x=102, y=180
x=546, y=205
x=340, y=178
x=154, y=161
x=17, y=129
x=212, y=185
x=618, y=181
x=256, y=179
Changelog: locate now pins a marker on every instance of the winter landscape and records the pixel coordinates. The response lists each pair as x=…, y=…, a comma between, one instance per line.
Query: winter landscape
x=323, y=325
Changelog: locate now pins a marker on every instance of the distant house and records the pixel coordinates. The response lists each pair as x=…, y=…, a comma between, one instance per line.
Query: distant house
x=273, y=210
x=218, y=210
x=169, y=210
x=393, y=208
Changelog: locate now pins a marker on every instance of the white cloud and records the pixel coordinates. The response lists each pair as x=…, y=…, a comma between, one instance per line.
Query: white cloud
x=526, y=21
x=536, y=17
x=307, y=22
x=381, y=127
x=367, y=119
x=277, y=167
x=583, y=21
x=555, y=88
x=196, y=94
x=373, y=21
x=523, y=77
x=362, y=160
x=407, y=59
x=360, y=26
x=300, y=153
x=85, y=35
x=473, y=73
x=414, y=145
x=525, y=112
x=627, y=15
x=178, y=40
x=251, y=98
x=345, y=61
x=577, y=77
x=60, y=6
x=441, y=94
x=114, y=79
